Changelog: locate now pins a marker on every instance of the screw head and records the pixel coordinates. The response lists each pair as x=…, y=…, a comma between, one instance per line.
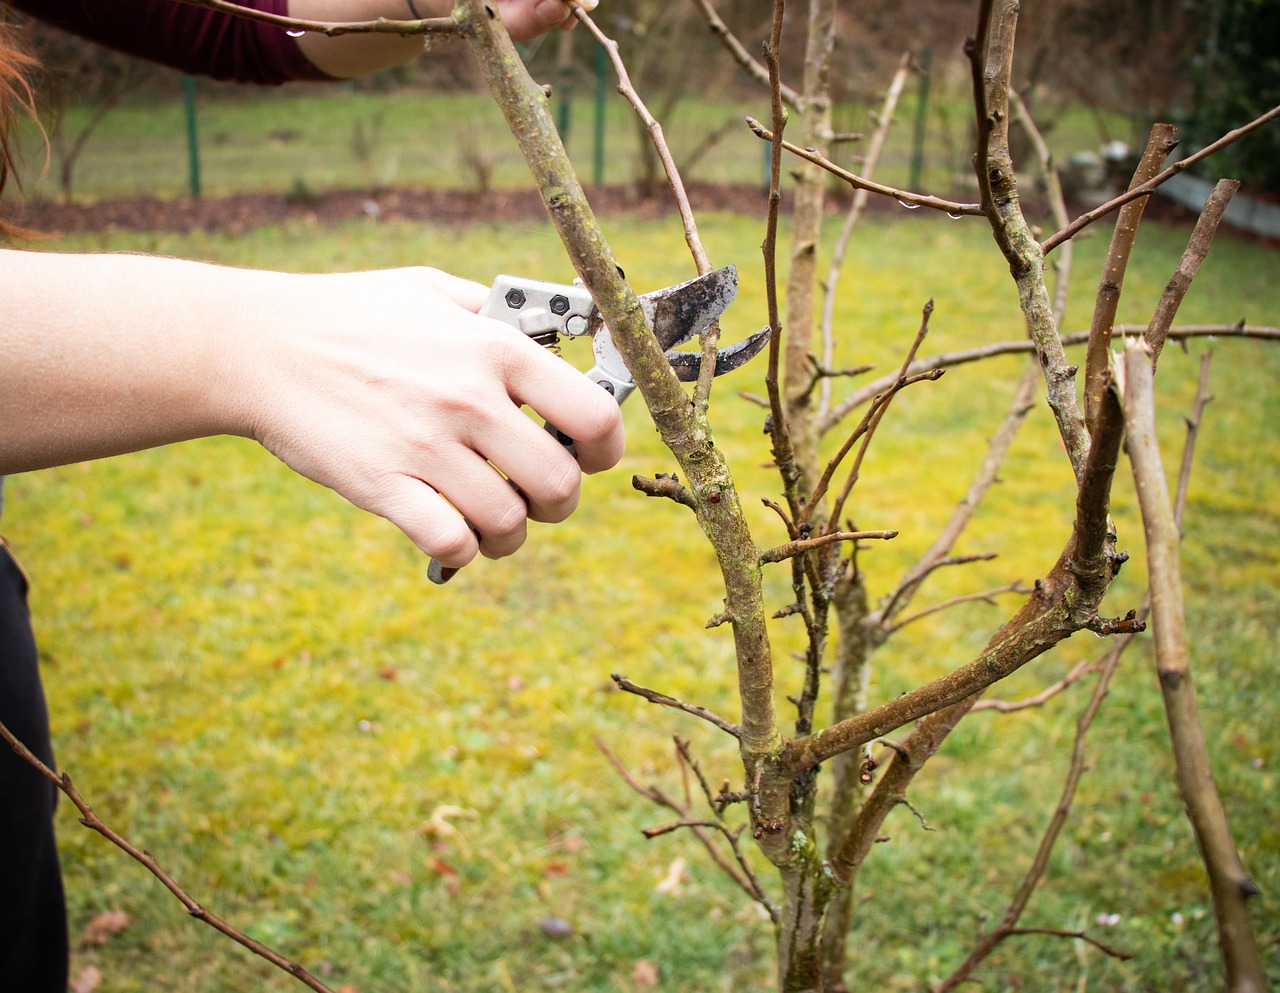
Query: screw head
x=515, y=299
x=559, y=305
x=607, y=387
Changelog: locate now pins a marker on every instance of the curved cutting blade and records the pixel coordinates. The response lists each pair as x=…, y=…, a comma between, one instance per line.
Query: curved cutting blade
x=687, y=365
x=680, y=313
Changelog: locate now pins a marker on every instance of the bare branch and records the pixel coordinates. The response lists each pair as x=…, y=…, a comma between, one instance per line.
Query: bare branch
x=937, y=555
x=799, y=547
x=1057, y=203
x=947, y=360
x=1203, y=398
x=1027, y=641
x=860, y=197
x=1094, y=533
x=1145, y=189
x=904, y=197
x=665, y=485
x=875, y=416
x=868, y=425
x=741, y=873
x=1230, y=883
x=1197, y=248
x=382, y=25
x=758, y=72
x=1160, y=143
x=653, y=696
x=91, y=820
x=1073, y=676
x=986, y=596
x=628, y=91
x=1077, y=936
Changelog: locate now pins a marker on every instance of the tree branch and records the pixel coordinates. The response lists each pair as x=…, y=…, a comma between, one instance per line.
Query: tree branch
x=869, y=162
x=665, y=485
x=937, y=554
x=653, y=696
x=947, y=360
x=757, y=71
x=91, y=820
x=904, y=197
x=1147, y=188
x=1229, y=882
x=1160, y=143
x=985, y=596
x=382, y=25
x=682, y=426
x=1197, y=248
x=799, y=547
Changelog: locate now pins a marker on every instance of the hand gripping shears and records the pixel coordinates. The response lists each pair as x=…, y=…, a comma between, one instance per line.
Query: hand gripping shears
x=677, y=314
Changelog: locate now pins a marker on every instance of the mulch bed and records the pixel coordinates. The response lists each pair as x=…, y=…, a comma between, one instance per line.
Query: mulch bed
x=242, y=211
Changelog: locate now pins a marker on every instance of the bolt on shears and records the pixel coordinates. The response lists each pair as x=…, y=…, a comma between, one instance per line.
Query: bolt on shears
x=677, y=314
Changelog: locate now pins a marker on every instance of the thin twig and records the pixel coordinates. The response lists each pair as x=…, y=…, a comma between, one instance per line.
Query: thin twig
x=1076, y=935
x=904, y=197
x=1197, y=248
x=381, y=25
x=1159, y=144
x=758, y=72
x=938, y=554
x=664, y=485
x=855, y=470
x=741, y=873
x=1073, y=676
x=662, y=699
x=799, y=547
x=986, y=596
x=948, y=360
x=860, y=198
x=1203, y=399
x=1147, y=188
x=779, y=430
x=91, y=820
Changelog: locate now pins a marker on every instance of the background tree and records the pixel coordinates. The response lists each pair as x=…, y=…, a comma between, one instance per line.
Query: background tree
x=779, y=788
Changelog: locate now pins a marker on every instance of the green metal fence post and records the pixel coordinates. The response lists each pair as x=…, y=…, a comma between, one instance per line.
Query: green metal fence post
x=193, y=144
x=922, y=113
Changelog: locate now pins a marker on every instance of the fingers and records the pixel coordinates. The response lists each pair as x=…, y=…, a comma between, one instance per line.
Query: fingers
x=567, y=399
x=526, y=19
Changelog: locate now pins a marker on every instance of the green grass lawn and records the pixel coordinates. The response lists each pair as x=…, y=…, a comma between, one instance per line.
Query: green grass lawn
x=256, y=682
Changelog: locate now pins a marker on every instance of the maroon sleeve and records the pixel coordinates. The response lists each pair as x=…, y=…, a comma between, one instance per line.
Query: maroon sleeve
x=192, y=39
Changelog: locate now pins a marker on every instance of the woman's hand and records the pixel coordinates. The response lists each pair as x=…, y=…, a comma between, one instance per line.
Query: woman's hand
x=392, y=392
x=384, y=386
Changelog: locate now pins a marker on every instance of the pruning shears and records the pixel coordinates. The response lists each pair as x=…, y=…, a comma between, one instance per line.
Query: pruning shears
x=677, y=314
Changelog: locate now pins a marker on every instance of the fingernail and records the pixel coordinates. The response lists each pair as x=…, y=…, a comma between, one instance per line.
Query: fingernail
x=440, y=574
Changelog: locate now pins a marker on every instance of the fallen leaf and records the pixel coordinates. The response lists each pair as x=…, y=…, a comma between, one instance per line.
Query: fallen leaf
x=104, y=927
x=448, y=873
x=87, y=981
x=644, y=975
x=437, y=826
x=673, y=882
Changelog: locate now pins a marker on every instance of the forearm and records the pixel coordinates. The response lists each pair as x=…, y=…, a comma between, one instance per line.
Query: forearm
x=103, y=354
x=351, y=55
